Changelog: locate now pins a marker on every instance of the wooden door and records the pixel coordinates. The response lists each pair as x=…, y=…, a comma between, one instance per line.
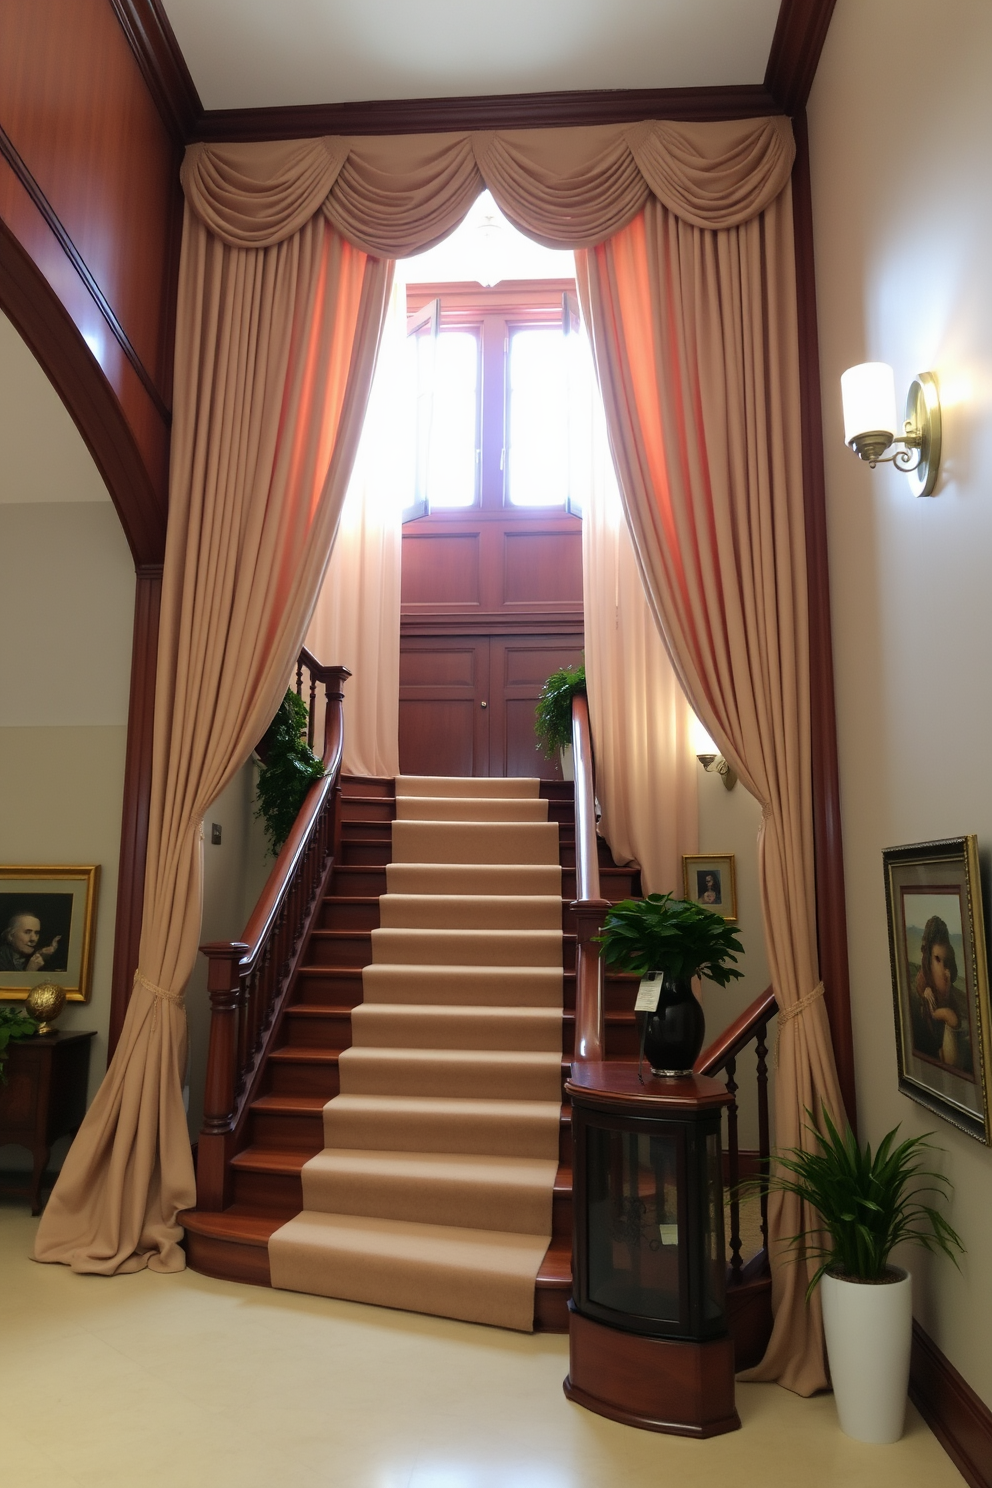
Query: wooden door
x=444, y=705
x=519, y=666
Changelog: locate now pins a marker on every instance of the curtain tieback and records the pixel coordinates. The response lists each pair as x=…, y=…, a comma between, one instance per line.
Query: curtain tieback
x=140, y=980
x=786, y=1015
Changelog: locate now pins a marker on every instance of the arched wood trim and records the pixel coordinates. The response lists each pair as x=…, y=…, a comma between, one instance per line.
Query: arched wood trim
x=44, y=323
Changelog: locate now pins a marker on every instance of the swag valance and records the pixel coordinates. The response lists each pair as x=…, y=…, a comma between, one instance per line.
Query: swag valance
x=568, y=188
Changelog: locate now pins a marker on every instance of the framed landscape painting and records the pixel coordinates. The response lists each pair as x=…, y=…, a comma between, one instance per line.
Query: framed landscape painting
x=940, y=982
x=47, y=915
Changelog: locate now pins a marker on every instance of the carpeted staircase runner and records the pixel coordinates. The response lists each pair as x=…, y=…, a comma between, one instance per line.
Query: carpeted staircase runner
x=434, y=1190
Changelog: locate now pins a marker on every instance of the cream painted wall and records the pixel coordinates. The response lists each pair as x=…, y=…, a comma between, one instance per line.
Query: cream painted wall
x=901, y=136
x=67, y=587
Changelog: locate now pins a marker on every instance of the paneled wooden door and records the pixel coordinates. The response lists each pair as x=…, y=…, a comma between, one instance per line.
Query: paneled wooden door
x=467, y=702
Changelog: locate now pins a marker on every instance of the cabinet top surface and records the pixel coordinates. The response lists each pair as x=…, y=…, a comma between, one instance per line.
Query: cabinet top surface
x=614, y=1082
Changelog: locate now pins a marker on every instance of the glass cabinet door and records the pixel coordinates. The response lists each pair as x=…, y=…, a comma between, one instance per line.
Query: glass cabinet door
x=634, y=1238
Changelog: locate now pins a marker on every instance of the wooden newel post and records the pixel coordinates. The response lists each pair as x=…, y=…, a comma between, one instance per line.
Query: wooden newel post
x=224, y=987
x=589, y=1001
x=333, y=678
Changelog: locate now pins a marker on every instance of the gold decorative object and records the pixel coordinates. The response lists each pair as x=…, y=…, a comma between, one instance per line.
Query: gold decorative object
x=44, y=1003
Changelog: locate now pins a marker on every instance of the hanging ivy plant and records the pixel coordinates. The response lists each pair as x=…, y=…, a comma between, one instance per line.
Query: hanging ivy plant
x=553, y=715
x=289, y=769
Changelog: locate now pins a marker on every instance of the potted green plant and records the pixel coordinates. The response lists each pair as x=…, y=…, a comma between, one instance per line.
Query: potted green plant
x=867, y=1205
x=289, y=768
x=668, y=941
x=553, y=715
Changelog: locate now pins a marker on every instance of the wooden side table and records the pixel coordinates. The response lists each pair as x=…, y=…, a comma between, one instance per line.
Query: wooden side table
x=44, y=1098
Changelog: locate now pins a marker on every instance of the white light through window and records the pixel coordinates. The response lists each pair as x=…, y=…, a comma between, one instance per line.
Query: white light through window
x=447, y=422
x=538, y=417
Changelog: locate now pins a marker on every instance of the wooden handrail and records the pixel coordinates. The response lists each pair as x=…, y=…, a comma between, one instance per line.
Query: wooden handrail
x=589, y=908
x=735, y=1039
x=751, y=1027
x=248, y=978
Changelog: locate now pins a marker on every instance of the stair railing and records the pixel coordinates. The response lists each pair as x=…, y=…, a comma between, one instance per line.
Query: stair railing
x=589, y=908
x=247, y=979
x=721, y=1059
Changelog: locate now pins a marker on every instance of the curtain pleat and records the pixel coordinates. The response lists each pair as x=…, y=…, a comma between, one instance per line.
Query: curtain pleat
x=696, y=345
x=274, y=356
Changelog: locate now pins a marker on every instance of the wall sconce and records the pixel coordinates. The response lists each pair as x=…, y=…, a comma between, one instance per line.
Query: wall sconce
x=712, y=762
x=869, y=395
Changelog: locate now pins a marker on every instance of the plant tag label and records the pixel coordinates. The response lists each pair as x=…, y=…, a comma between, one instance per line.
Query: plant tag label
x=649, y=994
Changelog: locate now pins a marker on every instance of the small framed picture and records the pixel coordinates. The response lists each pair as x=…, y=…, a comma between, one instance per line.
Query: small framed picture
x=940, y=982
x=47, y=916
x=708, y=879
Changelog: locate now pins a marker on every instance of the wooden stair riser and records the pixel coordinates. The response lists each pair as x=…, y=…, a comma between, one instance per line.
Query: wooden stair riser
x=365, y=786
x=365, y=852
x=356, y=881
x=340, y=948
x=352, y=913
x=329, y=986
x=310, y=1075
x=282, y=1193
x=280, y=1131
x=328, y=1026
x=364, y=810
x=368, y=831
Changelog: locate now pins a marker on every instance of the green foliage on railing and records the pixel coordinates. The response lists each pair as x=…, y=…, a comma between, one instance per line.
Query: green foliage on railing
x=289, y=770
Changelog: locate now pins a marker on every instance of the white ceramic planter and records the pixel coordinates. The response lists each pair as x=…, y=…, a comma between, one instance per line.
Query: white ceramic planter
x=869, y=1330
x=567, y=764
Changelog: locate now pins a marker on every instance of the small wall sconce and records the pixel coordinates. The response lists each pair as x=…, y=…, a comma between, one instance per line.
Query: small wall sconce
x=712, y=762
x=869, y=395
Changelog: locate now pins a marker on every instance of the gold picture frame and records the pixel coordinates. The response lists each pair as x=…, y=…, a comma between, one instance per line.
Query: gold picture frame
x=710, y=879
x=933, y=904
x=47, y=923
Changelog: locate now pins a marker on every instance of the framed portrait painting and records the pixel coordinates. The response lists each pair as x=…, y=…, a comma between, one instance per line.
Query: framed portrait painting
x=940, y=982
x=47, y=916
x=709, y=879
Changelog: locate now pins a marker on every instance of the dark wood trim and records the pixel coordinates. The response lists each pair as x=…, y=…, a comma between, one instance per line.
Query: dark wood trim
x=45, y=324
x=800, y=32
x=497, y=111
x=958, y=1418
x=10, y=153
x=137, y=795
x=163, y=66
x=831, y=911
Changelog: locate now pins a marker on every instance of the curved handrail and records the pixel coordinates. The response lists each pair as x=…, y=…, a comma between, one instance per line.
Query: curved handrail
x=588, y=908
x=735, y=1039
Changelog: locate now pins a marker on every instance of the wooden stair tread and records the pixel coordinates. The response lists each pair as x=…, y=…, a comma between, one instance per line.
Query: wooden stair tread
x=556, y=1268
x=305, y=1054
x=289, y=1105
x=237, y=1224
x=291, y=1160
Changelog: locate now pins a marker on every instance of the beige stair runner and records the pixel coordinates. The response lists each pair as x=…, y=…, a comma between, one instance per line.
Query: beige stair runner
x=434, y=1190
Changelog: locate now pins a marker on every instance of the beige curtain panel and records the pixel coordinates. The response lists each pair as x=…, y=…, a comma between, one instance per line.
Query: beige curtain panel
x=274, y=356
x=697, y=352
x=689, y=290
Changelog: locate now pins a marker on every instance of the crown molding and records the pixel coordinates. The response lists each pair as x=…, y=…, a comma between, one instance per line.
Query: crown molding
x=496, y=111
x=800, y=32
x=163, y=66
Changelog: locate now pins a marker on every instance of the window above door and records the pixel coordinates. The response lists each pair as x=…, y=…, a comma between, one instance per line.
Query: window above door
x=501, y=383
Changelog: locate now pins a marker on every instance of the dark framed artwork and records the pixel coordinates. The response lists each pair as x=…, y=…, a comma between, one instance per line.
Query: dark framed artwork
x=47, y=918
x=709, y=879
x=940, y=982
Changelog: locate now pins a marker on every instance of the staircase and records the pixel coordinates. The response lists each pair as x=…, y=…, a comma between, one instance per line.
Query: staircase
x=301, y=1069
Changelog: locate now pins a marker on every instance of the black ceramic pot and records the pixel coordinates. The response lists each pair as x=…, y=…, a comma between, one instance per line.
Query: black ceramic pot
x=674, y=1034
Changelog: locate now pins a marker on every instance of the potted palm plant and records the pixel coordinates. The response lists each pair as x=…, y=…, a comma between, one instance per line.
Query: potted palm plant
x=668, y=941
x=867, y=1204
x=553, y=715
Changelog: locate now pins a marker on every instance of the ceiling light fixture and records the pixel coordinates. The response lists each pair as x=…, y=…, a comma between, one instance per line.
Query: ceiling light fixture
x=869, y=396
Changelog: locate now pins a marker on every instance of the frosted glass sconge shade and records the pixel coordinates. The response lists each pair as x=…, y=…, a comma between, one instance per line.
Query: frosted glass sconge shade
x=869, y=395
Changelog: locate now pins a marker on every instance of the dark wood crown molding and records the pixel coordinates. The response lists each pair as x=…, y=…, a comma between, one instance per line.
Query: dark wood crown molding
x=800, y=32
x=163, y=66
x=498, y=111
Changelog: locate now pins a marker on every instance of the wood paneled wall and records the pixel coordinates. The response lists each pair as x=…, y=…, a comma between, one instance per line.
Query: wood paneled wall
x=89, y=189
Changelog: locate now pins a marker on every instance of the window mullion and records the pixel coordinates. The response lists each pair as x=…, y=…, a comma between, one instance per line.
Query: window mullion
x=493, y=410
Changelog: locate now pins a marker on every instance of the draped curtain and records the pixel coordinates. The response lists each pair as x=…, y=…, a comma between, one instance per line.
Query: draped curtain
x=356, y=620
x=646, y=770
x=275, y=348
x=689, y=291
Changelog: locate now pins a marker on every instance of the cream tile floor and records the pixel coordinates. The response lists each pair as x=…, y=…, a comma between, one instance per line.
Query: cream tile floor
x=182, y=1382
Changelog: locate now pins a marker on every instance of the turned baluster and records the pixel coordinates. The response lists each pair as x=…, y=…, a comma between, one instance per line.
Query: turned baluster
x=733, y=1174
x=764, y=1145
